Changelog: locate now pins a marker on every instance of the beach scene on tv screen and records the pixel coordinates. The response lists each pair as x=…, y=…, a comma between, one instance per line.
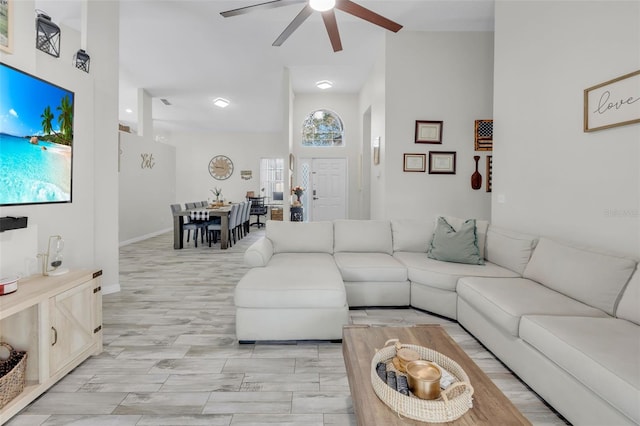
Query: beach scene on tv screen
x=36, y=139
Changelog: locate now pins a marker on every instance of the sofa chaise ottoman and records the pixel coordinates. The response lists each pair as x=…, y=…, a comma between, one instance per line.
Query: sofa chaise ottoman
x=295, y=292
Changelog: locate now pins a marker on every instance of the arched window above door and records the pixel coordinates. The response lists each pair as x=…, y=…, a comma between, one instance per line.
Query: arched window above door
x=322, y=128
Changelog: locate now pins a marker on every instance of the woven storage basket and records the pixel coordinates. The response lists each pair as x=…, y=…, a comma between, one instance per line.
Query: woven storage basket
x=12, y=374
x=453, y=402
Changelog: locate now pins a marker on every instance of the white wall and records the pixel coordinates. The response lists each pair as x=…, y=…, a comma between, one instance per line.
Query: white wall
x=146, y=193
x=444, y=76
x=77, y=222
x=346, y=106
x=372, y=102
x=195, y=150
x=555, y=179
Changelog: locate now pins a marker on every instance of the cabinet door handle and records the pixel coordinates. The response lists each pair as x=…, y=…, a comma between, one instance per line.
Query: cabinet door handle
x=55, y=336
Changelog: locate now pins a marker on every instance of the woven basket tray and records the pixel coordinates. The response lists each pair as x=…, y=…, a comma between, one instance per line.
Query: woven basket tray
x=453, y=402
x=12, y=374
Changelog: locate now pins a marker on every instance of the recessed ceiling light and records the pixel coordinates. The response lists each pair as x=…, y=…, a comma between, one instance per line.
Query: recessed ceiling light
x=324, y=84
x=221, y=102
x=322, y=5
x=129, y=110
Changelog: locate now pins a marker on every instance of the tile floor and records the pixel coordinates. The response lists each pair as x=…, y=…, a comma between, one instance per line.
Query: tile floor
x=171, y=358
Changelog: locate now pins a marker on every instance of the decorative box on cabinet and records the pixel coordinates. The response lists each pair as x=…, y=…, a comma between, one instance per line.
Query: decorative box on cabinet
x=276, y=213
x=58, y=321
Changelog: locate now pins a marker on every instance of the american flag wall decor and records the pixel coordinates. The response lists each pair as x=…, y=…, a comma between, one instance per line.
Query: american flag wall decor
x=484, y=135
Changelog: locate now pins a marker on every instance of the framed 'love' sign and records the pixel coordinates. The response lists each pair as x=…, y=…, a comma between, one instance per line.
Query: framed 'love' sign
x=612, y=103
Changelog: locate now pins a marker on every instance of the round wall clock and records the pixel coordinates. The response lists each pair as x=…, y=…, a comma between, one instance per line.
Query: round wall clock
x=220, y=167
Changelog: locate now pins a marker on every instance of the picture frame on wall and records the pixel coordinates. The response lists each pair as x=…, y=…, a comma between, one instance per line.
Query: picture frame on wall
x=428, y=131
x=483, y=131
x=6, y=26
x=442, y=162
x=414, y=163
x=613, y=103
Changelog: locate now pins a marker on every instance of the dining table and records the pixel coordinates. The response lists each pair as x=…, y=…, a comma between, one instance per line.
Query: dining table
x=222, y=212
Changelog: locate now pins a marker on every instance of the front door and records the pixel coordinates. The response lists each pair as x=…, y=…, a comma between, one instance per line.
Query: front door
x=329, y=189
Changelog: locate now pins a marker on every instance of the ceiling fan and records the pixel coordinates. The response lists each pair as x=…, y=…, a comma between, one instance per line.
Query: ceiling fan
x=327, y=8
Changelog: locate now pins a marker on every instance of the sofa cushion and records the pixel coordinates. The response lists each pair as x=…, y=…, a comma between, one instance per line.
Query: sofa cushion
x=411, y=234
x=504, y=301
x=594, y=278
x=481, y=229
x=509, y=249
x=258, y=253
x=601, y=353
x=629, y=305
x=300, y=237
x=287, y=283
x=459, y=245
x=370, y=267
x=363, y=236
x=445, y=275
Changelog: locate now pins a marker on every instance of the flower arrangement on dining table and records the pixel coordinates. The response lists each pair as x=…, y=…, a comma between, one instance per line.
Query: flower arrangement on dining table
x=298, y=190
x=217, y=192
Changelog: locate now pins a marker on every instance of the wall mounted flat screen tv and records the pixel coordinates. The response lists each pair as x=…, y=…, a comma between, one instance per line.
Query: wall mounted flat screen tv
x=36, y=139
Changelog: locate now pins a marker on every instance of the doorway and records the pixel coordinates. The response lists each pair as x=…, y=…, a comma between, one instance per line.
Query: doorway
x=326, y=180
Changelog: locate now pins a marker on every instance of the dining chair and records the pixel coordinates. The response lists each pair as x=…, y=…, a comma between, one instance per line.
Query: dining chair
x=187, y=226
x=233, y=218
x=246, y=217
x=213, y=231
x=242, y=214
x=196, y=226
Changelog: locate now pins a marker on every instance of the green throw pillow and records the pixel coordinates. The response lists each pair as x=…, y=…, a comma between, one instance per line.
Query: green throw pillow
x=459, y=246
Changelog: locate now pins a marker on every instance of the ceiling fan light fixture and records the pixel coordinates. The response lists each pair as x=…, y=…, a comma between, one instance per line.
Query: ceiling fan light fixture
x=221, y=102
x=322, y=5
x=324, y=84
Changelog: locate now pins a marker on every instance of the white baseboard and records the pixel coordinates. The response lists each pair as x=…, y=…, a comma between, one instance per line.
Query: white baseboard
x=144, y=237
x=108, y=289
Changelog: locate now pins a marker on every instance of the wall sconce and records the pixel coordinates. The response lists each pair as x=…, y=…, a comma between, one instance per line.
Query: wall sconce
x=82, y=60
x=47, y=35
x=376, y=150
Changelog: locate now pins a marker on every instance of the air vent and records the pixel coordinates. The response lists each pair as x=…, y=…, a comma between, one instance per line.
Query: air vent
x=164, y=101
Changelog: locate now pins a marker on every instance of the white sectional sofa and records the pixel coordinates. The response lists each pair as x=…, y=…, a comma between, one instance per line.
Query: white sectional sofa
x=566, y=319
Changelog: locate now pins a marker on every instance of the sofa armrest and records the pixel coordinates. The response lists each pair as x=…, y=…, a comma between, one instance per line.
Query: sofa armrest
x=258, y=253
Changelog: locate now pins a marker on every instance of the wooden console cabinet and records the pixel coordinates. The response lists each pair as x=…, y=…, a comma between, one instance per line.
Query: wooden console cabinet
x=58, y=321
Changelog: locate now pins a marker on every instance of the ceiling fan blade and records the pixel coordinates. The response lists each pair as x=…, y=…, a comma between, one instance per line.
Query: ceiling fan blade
x=260, y=6
x=329, y=18
x=368, y=15
x=297, y=21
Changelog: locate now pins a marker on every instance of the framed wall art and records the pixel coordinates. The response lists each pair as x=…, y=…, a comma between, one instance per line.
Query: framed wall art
x=414, y=163
x=6, y=26
x=441, y=162
x=612, y=103
x=489, y=172
x=428, y=131
x=483, y=135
